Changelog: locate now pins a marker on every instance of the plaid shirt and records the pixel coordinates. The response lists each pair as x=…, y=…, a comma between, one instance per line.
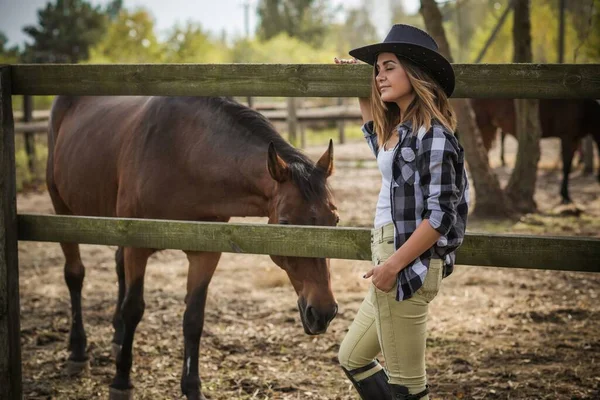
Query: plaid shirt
x=429, y=182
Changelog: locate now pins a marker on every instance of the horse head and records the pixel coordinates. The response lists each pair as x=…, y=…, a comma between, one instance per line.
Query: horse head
x=303, y=198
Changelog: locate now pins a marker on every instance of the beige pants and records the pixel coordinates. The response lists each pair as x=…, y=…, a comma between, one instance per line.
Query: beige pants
x=396, y=328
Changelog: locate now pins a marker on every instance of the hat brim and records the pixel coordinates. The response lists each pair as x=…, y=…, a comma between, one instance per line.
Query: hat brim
x=431, y=61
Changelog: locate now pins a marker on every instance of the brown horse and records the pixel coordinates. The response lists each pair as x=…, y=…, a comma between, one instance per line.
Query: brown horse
x=199, y=159
x=569, y=120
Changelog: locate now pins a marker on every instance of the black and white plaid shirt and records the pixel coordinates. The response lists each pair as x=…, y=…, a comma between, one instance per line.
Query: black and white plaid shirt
x=429, y=181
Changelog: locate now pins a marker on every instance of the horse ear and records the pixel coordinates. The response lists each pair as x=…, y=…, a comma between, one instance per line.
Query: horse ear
x=277, y=167
x=325, y=163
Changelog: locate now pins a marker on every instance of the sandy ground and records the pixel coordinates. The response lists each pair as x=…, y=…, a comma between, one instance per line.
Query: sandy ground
x=494, y=333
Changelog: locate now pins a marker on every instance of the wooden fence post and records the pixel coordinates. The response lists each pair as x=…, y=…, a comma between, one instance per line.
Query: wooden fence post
x=10, y=347
x=29, y=136
x=292, y=121
x=341, y=123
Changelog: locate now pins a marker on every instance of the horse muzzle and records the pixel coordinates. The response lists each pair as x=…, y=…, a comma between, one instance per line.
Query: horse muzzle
x=314, y=320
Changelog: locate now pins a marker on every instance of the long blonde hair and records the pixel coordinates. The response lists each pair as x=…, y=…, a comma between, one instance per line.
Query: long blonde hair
x=430, y=102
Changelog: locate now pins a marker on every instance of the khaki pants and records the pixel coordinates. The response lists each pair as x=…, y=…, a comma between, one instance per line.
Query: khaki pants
x=396, y=328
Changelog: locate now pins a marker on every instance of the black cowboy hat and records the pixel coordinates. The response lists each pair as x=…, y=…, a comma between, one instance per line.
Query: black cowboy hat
x=416, y=46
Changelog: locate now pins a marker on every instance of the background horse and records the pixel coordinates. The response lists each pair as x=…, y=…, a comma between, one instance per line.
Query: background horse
x=569, y=120
x=199, y=159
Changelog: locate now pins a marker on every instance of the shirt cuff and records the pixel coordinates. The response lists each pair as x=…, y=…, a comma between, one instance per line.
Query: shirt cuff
x=367, y=129
x=440, y=221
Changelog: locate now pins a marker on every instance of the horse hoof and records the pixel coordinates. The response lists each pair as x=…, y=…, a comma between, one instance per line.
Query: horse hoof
x=115, y=350
x=117, y=394
x=77, y=367
x=196, y=397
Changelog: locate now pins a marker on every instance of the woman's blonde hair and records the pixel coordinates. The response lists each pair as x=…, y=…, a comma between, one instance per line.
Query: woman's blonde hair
x=430, y=102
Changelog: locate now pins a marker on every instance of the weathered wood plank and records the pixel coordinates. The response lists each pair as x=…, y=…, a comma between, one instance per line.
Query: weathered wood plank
x=532, y=252
x=303, y=80
x=303, y=114
x=10, y=345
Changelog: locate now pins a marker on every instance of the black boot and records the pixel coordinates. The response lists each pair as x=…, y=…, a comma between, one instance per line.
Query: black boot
x=375, y=387
x=400, y=392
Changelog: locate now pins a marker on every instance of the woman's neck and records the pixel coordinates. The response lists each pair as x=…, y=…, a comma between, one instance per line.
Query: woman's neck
x=404, y=101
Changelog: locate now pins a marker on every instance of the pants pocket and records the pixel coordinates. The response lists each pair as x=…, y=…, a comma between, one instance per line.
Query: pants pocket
x=382, y=250
x=433, y=281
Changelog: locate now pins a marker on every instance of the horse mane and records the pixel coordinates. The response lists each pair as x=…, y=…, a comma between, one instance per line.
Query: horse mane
x=310, y=180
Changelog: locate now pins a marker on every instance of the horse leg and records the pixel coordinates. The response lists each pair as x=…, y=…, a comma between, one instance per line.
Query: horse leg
x=597, y=139
x=201, y=268
x=132, y=310
x=117, y=322
x=568, y=148
x=502, y=137
x=74, y=273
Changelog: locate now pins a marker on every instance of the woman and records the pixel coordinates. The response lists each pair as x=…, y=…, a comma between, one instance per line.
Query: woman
x=420, y=217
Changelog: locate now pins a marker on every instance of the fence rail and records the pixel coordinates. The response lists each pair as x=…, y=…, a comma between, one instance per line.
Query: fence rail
x=292, y=80
x=531, y=252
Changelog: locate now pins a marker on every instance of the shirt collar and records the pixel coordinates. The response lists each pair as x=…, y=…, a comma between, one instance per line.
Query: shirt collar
x=403, y=129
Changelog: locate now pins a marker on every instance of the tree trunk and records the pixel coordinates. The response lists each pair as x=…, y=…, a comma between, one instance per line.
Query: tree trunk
x=587, y=148
x=490, y=200
x=521, y=186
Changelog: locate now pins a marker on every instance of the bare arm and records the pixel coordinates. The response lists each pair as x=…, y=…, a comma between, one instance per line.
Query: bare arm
x=365, y=109
x=364, y=102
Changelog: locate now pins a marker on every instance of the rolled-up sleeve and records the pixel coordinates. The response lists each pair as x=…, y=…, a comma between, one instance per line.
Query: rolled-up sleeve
x=371, y=137
x=437, y=161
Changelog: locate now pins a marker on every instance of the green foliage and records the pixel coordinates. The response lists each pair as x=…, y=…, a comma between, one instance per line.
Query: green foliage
x=355, y=32
x=190, y=44
x=306, y=20
x=544, y=26
x=280, y=49
x=590, y=32
x=7, y=55
x=129, y=39
x=65, y=32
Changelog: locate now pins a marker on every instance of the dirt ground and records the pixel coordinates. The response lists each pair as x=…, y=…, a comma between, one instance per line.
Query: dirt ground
x=493, y=333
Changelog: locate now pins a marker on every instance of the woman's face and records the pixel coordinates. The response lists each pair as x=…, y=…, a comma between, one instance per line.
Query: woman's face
x=392, y=81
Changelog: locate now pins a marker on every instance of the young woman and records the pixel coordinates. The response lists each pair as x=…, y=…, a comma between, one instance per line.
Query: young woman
x=420, y=217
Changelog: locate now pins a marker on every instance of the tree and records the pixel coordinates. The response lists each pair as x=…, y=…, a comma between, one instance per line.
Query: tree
x=521, y=186
x=306, y=20
x=66, y=31
x=400, y=16
x=357, y=30
x=582, y=33
x=113, y=9
x=8, y=55
x=490, y=199
x=190, y=43
x=129, y=39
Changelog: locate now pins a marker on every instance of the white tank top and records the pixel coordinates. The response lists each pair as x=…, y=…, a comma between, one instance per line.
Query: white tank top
x=383, y=213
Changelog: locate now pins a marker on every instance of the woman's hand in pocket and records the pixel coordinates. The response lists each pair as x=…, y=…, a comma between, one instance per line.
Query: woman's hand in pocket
x=383, y=276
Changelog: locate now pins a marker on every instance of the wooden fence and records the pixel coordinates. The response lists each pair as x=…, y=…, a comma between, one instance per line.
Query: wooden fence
x=500, y=81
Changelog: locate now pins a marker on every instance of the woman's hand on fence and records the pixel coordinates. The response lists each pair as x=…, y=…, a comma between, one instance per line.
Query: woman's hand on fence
x=345, y=60
x=384, y=276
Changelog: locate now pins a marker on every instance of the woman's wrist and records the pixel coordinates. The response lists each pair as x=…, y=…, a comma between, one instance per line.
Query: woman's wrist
x=396, y=262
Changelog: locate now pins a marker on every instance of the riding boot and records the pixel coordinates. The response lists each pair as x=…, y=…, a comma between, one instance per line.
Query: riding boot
x=400, y=392
x=374, y=387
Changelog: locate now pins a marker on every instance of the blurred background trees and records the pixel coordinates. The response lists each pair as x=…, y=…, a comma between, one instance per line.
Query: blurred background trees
x=293, y=31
